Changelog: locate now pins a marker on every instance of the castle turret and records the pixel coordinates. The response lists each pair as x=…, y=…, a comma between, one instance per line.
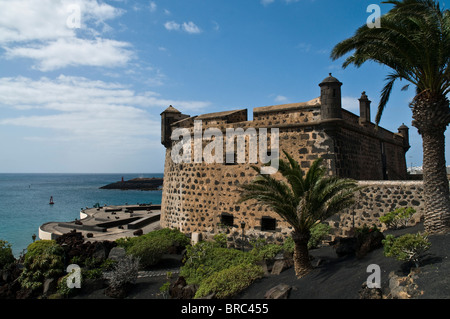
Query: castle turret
x=330, y=96
x=403, y=130
x=364, y=109
x=169, y=116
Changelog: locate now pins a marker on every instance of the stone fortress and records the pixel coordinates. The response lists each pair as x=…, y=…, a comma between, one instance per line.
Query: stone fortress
x=201, y=198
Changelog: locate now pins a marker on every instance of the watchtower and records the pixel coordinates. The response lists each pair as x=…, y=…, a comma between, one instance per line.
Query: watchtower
x=330, y=96
x=169, y=116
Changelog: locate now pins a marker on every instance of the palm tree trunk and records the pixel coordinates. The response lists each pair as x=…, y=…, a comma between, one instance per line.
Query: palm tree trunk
x=431, y=117
x=302, y=264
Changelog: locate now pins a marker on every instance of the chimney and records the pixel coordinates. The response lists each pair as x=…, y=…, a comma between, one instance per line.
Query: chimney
x=364, y=109
x=403, y=130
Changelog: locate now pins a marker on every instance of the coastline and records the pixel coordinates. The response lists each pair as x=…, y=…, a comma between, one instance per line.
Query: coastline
x=25, y=200
x=144, y=184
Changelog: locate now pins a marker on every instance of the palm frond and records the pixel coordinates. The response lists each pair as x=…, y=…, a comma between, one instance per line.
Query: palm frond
x=301, y=199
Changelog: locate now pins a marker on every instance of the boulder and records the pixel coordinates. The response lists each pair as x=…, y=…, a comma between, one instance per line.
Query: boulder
x=280, y=291
x=100, y=251
x=404, y=287
x=278, y=267
x=370, y=293
x=181, y=290
x=345, y=246
x=117, y=253
x=369, y=242
x=50, y=286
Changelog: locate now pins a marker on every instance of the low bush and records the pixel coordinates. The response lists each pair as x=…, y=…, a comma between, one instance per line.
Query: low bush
x=230, y=281
x=409, y=247
x=43, y=260
x=6, y=255
x=398, y=218
x=63, y=289
x=205, y=258
x=265, y=252
x=318, y=233
x=149, y=248
x=124, y=272
x=176, y=237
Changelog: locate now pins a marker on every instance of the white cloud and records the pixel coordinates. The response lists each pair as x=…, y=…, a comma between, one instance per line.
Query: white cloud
x=172, y=25
x=189, y=27
x=74, y=52
x=72, y=111
x=30, y=20
x=281, y=99
x=70, y=93
x=153, y=6
x=43, y=31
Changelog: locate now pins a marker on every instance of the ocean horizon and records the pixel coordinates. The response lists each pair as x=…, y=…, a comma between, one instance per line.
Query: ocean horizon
x=25, y=197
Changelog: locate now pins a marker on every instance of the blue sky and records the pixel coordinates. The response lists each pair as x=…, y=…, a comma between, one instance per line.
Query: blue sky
x=87, y=98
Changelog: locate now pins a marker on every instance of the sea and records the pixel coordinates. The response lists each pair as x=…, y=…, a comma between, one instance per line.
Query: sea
x=24, y=201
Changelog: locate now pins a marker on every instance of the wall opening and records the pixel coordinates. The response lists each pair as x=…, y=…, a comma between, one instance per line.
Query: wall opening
x=227, y=219
x=268, y=224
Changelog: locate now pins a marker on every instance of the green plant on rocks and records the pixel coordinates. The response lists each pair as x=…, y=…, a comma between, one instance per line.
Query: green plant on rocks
x=6, y=255
x=409, y=247
x=230, y=281
x=43, y=260
x=205, y=258
x=149, y=248
x=398, y=218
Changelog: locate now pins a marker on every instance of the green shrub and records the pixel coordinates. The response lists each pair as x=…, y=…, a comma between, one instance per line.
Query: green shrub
x=63, y=289
x=266, y=252
x=398, y=218
x=43, y=260
x=408, y=247
x=289, y=245
x=205, y=258
x=164, y=290
x=43, y=246
x=221, y=239
x=6, y=255
x=318, y=233
x=176, y=237
x=228, y=282
x=152, y=246
x=150, y=250
x=361, y=232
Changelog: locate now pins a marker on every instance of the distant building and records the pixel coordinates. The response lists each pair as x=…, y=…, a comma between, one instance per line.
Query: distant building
x=201, y=197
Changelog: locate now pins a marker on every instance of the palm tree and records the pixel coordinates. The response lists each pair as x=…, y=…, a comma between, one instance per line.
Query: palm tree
x=413, y=40
x=302, y=200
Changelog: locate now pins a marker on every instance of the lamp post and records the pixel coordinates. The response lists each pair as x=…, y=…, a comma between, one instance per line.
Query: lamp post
x=242, y=227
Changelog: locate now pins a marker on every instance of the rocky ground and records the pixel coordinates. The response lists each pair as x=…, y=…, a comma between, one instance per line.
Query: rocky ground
x=333, y=277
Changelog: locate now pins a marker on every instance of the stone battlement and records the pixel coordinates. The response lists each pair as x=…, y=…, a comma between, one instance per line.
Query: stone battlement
x=201, y=197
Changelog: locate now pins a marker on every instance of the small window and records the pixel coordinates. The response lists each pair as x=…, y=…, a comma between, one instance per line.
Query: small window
x=227, y=219
x=268, y=224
